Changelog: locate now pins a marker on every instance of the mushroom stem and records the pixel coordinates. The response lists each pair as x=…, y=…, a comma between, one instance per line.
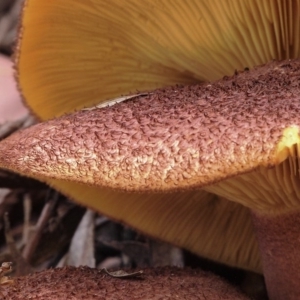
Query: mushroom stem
x=279, y=243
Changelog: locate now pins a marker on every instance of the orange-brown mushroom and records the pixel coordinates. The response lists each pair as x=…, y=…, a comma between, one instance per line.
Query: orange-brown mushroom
x=72, y=54
x=176, y=43
x=237, y=138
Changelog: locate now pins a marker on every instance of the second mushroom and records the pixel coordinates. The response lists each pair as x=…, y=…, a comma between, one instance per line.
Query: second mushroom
x=237, y=138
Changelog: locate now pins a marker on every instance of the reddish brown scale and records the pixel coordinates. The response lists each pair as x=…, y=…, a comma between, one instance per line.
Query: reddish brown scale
x=85, y=283
x=163, y=141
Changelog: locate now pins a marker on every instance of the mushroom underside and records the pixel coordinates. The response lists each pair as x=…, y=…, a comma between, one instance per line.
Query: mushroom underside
x=99, y=50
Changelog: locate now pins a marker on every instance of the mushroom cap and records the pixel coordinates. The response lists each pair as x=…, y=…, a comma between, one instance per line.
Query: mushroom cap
x=72, y=54
x=246, y=124
x=173, y=138
x=85, y=283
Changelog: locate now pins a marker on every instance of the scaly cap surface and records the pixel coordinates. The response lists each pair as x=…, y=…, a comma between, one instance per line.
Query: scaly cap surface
x=173, y=138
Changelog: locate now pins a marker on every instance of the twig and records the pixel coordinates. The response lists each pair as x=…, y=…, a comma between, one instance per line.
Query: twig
x=22, y=267
x=41, y=224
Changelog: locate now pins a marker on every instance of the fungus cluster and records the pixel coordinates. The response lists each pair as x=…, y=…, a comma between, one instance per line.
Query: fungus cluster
x=235, y=139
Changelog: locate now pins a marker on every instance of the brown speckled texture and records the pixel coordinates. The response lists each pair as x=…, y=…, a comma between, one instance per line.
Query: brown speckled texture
x=279, y=242
x=173, y=138
x=84, y=283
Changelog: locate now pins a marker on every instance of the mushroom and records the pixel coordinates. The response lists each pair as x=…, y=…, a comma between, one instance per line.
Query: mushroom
x=106, y=49
x=86, y=283
x=237, y=138
x=176, y=43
